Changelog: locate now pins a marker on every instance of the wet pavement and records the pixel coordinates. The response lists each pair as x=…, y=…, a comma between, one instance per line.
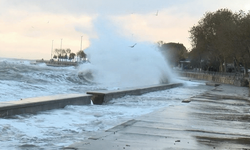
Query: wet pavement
x=217, y=119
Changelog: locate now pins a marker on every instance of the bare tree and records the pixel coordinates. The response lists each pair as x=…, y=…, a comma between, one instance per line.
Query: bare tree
x=68, y=51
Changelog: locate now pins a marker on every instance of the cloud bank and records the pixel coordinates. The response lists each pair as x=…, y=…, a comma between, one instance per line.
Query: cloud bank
x=28, y=27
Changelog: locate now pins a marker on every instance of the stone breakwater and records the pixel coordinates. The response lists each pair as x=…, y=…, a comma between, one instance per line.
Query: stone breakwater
x=232, y=80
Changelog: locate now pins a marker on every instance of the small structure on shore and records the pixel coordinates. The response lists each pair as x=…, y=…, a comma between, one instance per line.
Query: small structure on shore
x=59, y=63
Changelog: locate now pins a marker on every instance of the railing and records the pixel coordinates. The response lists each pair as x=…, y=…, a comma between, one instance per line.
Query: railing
x=227, y=74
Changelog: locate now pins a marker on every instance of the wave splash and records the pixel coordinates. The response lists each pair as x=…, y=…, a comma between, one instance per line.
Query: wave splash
x=126, y=67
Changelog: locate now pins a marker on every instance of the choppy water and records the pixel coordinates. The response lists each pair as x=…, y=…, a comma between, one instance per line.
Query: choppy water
x=55, y=129
x=20, y=79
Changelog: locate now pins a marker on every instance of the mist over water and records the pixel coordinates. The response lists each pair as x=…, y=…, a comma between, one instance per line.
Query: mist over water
x=115, y=63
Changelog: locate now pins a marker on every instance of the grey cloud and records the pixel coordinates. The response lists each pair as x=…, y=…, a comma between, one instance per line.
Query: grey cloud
x=117, y=7
x=103, y=7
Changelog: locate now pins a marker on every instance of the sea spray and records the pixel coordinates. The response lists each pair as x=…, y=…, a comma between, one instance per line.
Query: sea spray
x=119, y=62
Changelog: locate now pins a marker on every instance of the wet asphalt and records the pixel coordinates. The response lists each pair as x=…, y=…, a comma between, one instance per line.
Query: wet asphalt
x=217, y=119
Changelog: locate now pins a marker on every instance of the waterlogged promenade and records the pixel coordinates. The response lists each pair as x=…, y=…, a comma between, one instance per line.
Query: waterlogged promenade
x=58, y=128
x=217, y=119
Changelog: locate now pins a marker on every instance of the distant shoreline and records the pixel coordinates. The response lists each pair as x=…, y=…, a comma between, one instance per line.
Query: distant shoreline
x=59, y=63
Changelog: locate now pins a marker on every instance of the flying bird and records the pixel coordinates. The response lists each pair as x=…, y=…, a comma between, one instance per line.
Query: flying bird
x=133, y=45
x=156, y=13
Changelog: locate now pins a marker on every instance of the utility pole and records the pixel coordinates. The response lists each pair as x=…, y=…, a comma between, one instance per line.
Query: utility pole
x=81, y=44
x=52, y=48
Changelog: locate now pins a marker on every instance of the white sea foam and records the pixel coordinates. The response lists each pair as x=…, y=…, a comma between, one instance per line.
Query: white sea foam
x=20, y=79
x=114, y=63
x=62, y=127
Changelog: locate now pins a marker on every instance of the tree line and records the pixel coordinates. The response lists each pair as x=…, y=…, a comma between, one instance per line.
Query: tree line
x=173, y=52
x=66, y=54
x=220, y=42
x=220, y=39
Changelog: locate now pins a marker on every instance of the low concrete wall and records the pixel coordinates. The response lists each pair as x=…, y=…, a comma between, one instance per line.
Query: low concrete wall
x=33, y=105
x=103, y=96
x=60, y=63
x=216, y=78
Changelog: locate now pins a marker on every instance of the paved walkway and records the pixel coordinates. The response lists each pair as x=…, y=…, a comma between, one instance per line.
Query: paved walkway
x=218, y=119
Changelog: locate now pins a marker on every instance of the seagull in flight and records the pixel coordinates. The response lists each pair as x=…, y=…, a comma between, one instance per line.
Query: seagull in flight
x=133, y=45
x=156, y=13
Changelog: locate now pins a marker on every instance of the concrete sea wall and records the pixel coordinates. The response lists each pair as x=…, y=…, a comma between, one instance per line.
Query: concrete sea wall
x=233, y=80
x=100, y=97
x=34, y=105
x=59, y=63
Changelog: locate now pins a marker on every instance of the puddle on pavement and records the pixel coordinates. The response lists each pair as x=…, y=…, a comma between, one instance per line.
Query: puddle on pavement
x=217, y=142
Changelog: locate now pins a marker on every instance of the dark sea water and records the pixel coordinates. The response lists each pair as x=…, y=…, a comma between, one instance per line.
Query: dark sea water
x=58, y=128
x=21, y=79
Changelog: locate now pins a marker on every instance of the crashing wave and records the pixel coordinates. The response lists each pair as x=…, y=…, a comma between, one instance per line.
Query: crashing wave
x=86, y=75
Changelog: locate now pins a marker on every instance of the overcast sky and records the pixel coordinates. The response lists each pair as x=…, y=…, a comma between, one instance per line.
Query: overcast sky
x=27, y=27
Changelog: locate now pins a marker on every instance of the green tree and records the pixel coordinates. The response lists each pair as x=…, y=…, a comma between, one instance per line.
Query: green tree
x=81, y=54
x=242, y=39
x=59, y=53
x=55, y=57
x=219, y=38
x=173, y=52
x=72, y=56
x=63, y=54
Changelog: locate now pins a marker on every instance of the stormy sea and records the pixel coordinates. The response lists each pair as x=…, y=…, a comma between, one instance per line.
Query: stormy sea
x=58, y=128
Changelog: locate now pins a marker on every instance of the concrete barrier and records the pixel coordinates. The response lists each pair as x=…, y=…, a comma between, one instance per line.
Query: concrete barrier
x=212, y=84
x=103, y=96
x=33, y=105
x=233, y=80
